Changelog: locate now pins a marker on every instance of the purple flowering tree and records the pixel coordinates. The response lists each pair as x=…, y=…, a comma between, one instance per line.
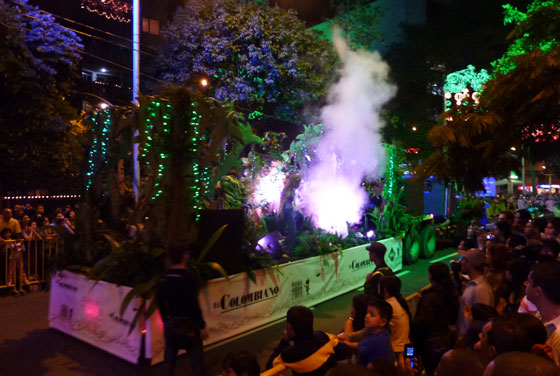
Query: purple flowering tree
x=38, y=64
x=262, y=58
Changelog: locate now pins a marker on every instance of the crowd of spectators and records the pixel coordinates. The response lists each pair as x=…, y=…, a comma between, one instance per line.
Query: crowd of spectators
x=20, y=228
x=495, y=311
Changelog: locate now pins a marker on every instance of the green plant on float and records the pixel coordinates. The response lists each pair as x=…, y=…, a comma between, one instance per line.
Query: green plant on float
x=103, y=248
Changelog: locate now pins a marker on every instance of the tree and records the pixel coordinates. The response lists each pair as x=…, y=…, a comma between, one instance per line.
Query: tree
x=359, y=21
x=518, y=107
x=38, y=62
x=459, y=33
x=259, y=57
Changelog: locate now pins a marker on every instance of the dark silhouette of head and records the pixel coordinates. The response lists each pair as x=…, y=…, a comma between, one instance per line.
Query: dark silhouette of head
x=461, y=362
x=300, y=318
x=521, y=364
x=242, y=362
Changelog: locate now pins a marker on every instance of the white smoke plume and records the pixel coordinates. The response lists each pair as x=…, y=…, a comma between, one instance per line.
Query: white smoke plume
x=351, y=147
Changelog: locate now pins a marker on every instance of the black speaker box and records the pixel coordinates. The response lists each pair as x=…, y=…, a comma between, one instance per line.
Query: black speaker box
x=227, y=250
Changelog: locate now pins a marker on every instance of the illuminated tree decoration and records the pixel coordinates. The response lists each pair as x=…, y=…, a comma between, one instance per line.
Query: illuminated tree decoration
x=97, y=157
x=110, y=9
x=390, y=172
x=458, y=85
x=526, y=38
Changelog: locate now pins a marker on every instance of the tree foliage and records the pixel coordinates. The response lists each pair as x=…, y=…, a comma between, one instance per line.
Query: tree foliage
x=359, y=21
x=38, y=63
x=259, y=57
x=459, y=33
x=519, y=107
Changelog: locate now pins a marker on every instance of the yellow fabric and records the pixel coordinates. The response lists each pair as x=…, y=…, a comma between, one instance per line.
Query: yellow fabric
x=314, y=361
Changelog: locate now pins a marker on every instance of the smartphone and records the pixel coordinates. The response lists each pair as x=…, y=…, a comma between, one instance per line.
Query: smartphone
x=410, y=353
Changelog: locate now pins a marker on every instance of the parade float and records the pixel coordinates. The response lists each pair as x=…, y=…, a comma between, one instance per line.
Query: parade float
x=209, y=182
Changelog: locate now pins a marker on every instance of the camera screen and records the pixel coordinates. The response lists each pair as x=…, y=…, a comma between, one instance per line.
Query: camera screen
x=409, y=351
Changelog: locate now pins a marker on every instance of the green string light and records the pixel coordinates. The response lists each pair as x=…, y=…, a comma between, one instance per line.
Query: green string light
x=98, y=151
x=390, y=180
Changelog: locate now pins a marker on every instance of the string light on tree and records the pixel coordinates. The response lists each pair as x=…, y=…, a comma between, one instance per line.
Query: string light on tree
x=98, y=152
x=111, y=9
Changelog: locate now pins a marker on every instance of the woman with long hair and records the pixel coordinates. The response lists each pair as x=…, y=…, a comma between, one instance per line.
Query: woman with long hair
x=517, y=272
x=436, y=311
x=357, y=314
x=497, y=255
x=390, y=290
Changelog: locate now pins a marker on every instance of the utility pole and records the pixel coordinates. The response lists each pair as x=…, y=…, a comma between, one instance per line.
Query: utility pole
x=135, y=89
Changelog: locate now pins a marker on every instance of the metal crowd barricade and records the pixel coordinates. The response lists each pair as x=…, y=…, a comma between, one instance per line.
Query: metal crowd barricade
x=412, y=301
x=28, y=266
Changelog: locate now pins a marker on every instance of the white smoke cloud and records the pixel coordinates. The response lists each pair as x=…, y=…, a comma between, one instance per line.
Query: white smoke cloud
x=351, y=147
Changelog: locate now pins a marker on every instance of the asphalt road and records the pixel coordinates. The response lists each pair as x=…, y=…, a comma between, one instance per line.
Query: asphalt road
x=28, y=347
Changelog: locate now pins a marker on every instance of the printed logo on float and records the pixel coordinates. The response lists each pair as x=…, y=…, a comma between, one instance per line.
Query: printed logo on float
x=230, y=302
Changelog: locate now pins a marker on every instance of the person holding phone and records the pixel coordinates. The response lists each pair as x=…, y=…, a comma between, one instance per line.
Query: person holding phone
x=436, y=311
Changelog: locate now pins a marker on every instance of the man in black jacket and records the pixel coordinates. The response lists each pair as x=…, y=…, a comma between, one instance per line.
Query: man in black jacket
x=184, y=326
x=377, y=255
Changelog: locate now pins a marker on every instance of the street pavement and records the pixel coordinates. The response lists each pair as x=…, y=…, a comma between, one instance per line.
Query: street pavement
x=28, y=347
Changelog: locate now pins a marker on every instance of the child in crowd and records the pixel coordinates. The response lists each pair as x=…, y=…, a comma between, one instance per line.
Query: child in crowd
x=390, y=290
x=374, y=341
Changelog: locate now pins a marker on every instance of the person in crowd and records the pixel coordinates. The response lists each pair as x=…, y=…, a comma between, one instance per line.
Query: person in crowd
x=24, y=222
x=312, y=352
x=358, y=312
x=506, y=216
x=461, y=362
x=477, y=316
x=516, y=241
x=71, y=220
x=399, y=326
x=522, y=203
x=517, y=271
x=240, y=363
x=32, y=232
x=15, y=250
x=286, y=211
x=549, y=203
x=473, y=233
x=517, y=363
x=520, y=219
x=436, y=311
x=7, y=221
x=548, y=251
x=376, y=255
x=46, y=230
x=18, y=212
x=477, y=289
x=532, y=232
x=40, y=213
x=60, y=221
x=29, y=210
x=31, y=235
x=497, y=257
x=552, y=229
x=374, y=341
x=541, y=223
x=511, y=332
x=502, y=231
x=177, y=300
x=543, y=290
